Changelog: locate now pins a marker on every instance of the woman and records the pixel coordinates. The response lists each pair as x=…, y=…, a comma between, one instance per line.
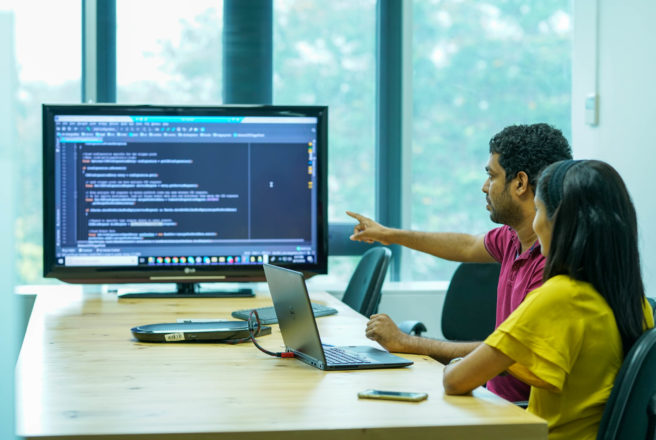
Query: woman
x=569, y=337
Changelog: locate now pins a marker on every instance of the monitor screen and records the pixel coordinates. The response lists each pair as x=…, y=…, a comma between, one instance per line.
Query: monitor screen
x=183, y=194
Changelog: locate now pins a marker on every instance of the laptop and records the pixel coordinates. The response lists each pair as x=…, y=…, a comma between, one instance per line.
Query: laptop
x=301, y=336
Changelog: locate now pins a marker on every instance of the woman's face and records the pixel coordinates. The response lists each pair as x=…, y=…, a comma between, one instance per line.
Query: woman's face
x=542, y=226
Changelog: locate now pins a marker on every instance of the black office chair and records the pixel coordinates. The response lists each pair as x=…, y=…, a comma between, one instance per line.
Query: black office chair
x=469, y=311
x=630, y=412
x=364, y=289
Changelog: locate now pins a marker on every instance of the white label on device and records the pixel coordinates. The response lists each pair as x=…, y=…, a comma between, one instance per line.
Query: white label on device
x=184, y=320
x=172, y=337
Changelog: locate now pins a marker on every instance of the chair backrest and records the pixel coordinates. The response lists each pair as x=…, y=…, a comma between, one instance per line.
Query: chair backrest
x=363, y=291
x=629, y=409
x=469, y=311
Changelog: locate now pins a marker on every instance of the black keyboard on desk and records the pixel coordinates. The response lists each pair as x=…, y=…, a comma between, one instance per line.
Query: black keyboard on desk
x=267, y=315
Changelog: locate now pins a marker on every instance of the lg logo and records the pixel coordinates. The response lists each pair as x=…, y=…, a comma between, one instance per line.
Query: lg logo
x=189, y=270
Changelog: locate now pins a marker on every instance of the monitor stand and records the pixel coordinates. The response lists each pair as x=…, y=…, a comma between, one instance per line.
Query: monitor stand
x=192, y=290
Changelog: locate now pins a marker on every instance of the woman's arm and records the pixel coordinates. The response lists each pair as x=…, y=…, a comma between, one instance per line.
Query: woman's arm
x=475, y=369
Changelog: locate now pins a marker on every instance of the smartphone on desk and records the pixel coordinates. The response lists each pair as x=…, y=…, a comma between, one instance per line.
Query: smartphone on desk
x=392, y=395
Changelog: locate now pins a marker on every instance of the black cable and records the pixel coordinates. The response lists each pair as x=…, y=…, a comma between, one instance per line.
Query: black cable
x=254, y=330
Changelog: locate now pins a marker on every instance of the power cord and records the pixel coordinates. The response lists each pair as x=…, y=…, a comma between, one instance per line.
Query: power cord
x=254, y=330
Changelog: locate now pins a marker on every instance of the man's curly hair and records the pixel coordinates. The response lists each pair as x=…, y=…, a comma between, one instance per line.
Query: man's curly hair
x=529, y=148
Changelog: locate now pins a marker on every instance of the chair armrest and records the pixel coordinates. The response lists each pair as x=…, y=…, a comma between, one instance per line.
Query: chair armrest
x=412, y=327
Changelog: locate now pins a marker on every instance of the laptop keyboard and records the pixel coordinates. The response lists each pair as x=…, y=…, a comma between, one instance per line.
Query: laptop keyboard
x=337, y=356
x=268, y=314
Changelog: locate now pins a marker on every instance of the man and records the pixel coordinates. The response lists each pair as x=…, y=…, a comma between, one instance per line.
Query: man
x=517, y=155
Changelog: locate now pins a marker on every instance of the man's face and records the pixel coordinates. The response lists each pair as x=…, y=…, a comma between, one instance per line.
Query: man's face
x=503, y=209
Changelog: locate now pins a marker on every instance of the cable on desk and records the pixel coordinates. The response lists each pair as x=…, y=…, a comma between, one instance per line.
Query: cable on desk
x=254, y=330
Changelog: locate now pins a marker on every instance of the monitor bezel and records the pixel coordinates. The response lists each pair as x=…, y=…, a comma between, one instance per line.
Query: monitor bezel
x=188, y=273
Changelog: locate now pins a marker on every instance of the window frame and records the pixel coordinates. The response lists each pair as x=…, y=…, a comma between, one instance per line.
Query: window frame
x=393, y=110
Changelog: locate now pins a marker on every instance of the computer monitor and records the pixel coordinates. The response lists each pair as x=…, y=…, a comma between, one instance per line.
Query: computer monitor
x=183, y=194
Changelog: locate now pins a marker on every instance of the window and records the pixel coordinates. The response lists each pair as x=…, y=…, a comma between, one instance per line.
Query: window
x=478, y=67
x=168, y=52
x=324, y=54
x=44, y=64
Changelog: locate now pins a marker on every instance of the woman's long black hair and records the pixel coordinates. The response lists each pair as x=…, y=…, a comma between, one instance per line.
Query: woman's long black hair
x=595, y=237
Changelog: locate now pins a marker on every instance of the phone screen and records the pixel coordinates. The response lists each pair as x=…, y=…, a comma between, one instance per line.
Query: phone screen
x=392, y=395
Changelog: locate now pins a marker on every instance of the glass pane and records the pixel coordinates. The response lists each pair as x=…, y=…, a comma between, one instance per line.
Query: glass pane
x=168, y=52
x=41, y=64
x=324, y=55
x=478, y=67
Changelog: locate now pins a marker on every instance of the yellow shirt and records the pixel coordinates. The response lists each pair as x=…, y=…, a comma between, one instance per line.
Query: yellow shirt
x=566, y=345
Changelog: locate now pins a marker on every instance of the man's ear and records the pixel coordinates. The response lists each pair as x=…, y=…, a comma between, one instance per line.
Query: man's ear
x=521, y=184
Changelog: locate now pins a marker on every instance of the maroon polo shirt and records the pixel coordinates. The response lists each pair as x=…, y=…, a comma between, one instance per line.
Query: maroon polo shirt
x=520, y=273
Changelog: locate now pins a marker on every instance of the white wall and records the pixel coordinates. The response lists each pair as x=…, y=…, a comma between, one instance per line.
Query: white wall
x=416, y=301
x=614, y=55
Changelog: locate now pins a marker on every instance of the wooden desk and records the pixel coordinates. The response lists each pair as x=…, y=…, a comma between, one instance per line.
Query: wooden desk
x=80, y=374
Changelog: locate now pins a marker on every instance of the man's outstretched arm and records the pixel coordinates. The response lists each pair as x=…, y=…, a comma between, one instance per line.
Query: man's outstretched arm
x=383, y=330
x=448, y=245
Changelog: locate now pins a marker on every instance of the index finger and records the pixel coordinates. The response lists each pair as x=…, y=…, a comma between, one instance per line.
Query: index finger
x=356, y=216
